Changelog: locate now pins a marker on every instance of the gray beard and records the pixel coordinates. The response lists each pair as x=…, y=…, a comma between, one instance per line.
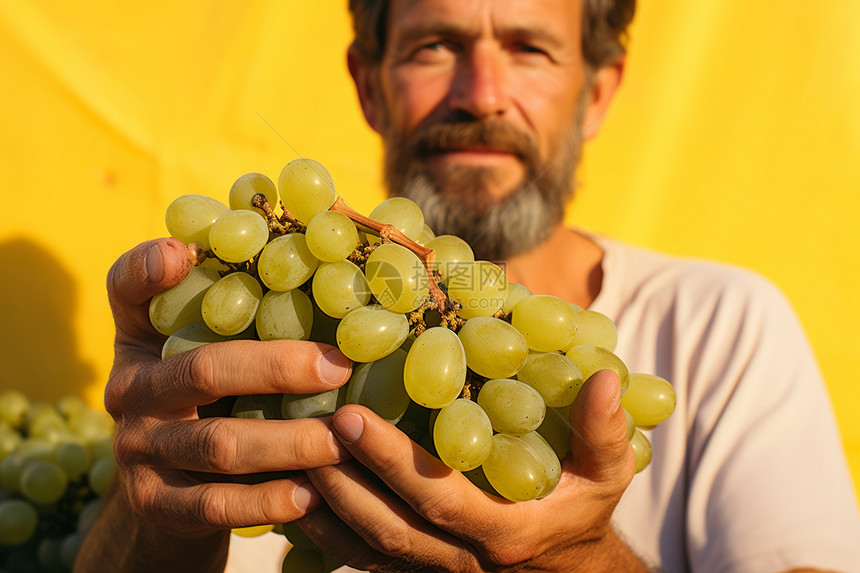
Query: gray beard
x=498, y=230
x=459, y=204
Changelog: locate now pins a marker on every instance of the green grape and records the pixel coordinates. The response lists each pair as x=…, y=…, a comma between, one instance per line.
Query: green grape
x=631, y=425
x=180, y=306
x=435, y=368
x=462, y=435
x=90, y=426
x=547, y=322
x=87, y=516
x=306, y=189
x=396, y=277
x=48, y=554
x=10, y=472
x=556, y=378
x=555, y=429
x=285, y=315
x=494, y=348
x=339, y=288
x=14, y=406
x=302, y=560
x=590, y=359
x=197, y=335
x=101, y=475
x=480, y=288
x=18, y=521
x=516, y=293
x=415, y=422
x=245, y=187
x=286, y=262
x=370, y=333
x=478, y=478
x=189, y=218
x=451, y=251
x=513, y=407
x=69, y=549
x=49, y=425
x=9, y=442
x=642, y=449
x=252, y=530
x=331, y=236
x=102, y=448
x=258, y=406
x=298, y=406
x=549, y=461
x=649, y=399
x=71, y=405
x=378, y=385
x=402, y=213
x=43, y=482
x=596, y=329
x=74, y=458
x=238, y=235
x=230, y=305
x=426, y=236
x=324, y=328
x=514, y=469
x=296, y=536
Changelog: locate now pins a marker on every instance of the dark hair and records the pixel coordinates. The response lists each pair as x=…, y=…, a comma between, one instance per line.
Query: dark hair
x=604, y=29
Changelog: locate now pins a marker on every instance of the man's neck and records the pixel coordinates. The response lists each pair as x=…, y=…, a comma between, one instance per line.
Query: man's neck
x=567, y=265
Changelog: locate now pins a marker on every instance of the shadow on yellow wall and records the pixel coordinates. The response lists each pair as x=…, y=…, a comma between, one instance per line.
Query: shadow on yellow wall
x=40, y=299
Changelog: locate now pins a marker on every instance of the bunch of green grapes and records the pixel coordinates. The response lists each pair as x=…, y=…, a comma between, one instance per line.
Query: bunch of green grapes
x=478, y=370
x=56, y=460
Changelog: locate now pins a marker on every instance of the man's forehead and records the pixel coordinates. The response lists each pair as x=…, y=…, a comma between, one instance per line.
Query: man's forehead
x=559, y=17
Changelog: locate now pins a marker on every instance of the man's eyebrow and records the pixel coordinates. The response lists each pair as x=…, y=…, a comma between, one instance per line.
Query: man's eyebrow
x=411, y=31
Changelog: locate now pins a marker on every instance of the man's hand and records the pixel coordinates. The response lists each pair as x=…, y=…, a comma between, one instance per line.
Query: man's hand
x=180, y=472
x=440, y=521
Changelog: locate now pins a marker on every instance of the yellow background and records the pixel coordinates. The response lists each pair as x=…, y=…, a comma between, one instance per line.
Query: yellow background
x=735, y=137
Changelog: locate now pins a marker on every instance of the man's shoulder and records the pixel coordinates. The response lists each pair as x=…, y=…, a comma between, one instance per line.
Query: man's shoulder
x=633, y=273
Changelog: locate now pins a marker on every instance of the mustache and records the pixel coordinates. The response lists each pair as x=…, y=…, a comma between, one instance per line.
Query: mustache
x=492, y=134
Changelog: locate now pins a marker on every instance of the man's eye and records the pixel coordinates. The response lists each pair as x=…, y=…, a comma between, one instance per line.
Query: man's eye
x=529, y=49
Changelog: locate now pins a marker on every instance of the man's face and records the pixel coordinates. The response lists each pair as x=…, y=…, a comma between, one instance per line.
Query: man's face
x=479, y=107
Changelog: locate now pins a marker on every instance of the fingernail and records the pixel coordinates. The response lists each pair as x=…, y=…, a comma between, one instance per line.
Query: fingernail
x=306, y=497
x=349, y=426
x=154, y=264
x=334, y=367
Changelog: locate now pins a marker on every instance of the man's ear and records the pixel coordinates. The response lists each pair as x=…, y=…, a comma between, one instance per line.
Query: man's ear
x=604, y=83
x=364, y=76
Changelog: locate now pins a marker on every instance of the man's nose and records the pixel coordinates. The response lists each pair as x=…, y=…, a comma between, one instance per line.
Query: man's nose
x=480, y=85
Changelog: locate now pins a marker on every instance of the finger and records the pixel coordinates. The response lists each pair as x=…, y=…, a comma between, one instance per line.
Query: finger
x=182, y=502
x=386, y=522
x=435, y=491
x=235, y=368
x=146, y=270
x=232, y=445
x=332, y=535
x=599, y=446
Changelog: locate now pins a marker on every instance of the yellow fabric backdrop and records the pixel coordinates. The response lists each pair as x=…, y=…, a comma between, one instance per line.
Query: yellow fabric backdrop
x=735, y=137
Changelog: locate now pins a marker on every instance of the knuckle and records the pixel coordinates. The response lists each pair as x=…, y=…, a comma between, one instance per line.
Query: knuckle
x=441, y=509
x=218, y=444
x=211, y=508
x=198, y=369
x=142, y=499
x=394, y=539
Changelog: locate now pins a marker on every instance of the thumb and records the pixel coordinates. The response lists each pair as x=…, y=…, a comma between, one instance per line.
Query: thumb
x=599, y=444
x=139, y=274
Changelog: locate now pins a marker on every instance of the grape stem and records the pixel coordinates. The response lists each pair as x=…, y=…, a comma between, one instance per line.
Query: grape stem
x=392, y=233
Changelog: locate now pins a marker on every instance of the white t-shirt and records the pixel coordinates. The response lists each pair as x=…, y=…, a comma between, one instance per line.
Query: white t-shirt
x=748, y=474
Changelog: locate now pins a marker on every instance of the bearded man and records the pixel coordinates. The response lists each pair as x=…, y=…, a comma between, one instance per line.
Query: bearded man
x=482, y=105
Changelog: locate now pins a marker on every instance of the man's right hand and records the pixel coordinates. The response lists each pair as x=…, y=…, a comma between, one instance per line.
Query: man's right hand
x=179, y=471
